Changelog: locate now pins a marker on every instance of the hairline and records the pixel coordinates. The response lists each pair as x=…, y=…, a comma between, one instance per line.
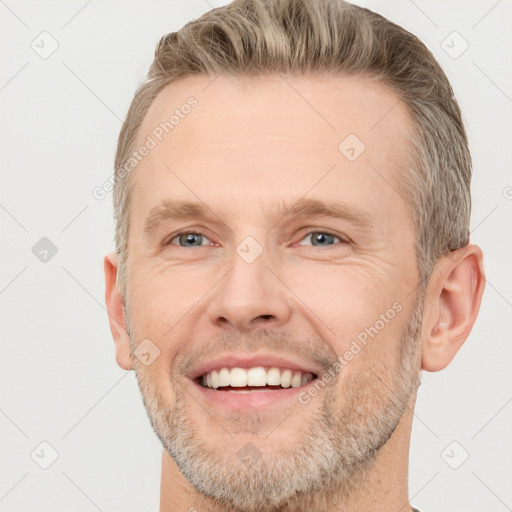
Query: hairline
x=413, y=155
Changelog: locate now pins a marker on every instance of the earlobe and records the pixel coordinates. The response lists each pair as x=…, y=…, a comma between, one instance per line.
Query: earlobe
x=454, y=301
x=116, y=313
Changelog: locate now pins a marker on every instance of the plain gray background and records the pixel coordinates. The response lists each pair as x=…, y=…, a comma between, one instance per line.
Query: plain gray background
x=60, y=118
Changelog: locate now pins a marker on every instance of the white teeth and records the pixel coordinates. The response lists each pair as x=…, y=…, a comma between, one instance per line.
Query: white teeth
x=296, y=380
x=258, y=376
x=224, y=378
x=286, y=378
x=274, y=377
x=237, y=378
x=215, y=379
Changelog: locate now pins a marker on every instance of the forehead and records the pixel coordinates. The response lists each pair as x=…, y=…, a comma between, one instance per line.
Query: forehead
x=273, y=136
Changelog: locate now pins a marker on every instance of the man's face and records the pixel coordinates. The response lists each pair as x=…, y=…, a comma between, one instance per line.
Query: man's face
x=245, y=282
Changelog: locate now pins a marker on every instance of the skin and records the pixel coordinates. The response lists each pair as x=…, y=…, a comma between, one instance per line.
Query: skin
x=247, y=144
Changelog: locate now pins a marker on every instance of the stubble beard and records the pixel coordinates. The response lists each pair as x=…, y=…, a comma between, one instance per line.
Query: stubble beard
x=333, y=456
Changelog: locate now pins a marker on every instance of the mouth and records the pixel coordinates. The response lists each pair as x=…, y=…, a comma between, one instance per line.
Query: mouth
x=255, y=379
x=238, y=388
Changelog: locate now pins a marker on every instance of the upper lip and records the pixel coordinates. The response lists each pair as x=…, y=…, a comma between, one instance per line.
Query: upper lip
x=252, y=360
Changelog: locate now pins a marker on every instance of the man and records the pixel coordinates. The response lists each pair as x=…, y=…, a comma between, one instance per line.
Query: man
x=292, y=250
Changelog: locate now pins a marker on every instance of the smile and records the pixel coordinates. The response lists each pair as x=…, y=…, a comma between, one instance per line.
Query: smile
x=259, y=387
x=259, y=378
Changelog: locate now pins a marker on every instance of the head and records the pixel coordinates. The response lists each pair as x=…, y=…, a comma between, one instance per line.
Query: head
x=327, y=159
x=251, y=38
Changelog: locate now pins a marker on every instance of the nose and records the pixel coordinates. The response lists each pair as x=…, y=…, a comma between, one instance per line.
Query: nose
x=250, y=296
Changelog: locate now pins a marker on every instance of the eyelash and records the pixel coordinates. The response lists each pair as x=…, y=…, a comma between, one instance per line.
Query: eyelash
x=304, y=235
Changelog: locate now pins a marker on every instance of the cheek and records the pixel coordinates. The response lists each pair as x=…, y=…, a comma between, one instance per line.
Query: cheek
x=162, y=297
x=163, y=304
x=355, y=312
x=347, y=298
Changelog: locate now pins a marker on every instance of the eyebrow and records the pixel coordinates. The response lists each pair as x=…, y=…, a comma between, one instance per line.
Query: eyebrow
x=179, y=210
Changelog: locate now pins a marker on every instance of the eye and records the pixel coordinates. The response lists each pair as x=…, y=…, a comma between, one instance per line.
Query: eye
x=188, y=239
x=321, y=238
x=195, y=239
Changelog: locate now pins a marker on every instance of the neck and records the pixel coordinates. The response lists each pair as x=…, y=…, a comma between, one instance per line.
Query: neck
x=382, y=488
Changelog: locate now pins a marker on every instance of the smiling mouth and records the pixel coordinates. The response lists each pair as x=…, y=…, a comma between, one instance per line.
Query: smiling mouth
x=256, y=379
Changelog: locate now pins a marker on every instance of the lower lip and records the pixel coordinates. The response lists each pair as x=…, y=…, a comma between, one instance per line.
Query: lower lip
x=256, y=399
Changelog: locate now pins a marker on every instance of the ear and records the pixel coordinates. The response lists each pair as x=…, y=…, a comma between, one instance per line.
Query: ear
x=116, y=313
x=453, y=300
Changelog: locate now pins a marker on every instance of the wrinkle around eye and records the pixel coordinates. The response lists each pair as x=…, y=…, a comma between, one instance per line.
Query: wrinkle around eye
x=341, y=241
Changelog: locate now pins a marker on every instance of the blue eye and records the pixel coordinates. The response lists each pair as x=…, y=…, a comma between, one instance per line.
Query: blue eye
x=195, y=239
x=188, y=239
x=321, y=238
